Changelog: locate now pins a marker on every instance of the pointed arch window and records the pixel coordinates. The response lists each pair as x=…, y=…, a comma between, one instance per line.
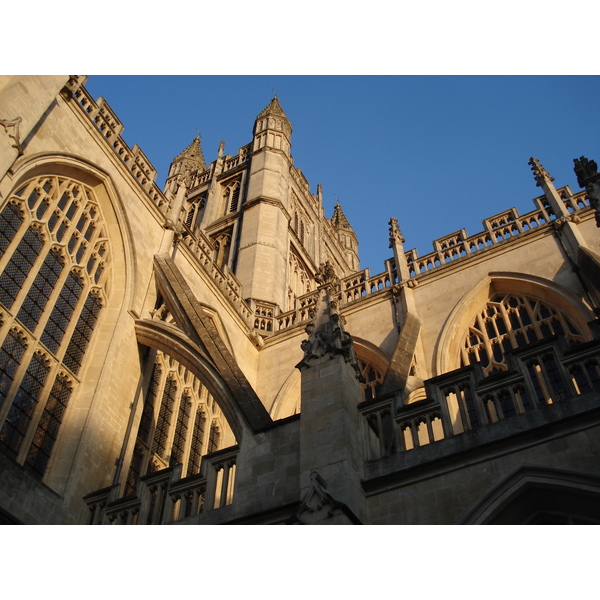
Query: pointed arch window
x=173, y=428
x=232, y=197
x=373, y=378
x=195, y=213
x=510, y=321
x=54, y=267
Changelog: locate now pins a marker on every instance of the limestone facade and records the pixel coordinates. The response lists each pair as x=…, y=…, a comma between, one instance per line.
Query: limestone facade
x=213, y=353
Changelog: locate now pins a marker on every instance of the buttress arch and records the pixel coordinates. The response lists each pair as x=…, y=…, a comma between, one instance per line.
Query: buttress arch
x=175, y=343
x=447, y=350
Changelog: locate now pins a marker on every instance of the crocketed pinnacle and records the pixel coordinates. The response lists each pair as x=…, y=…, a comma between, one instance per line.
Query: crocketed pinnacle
x=194, y=153
x=273, y=108
x=538, y=171
x=339, y=220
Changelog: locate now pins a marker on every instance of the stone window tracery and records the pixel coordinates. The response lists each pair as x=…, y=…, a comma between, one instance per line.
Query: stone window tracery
x=511, y=321
x=373, y=378
x=299, y=280
x=172, y=427
x=195, y=213
x=54, y=267
x=231, y=197
x=222, y=248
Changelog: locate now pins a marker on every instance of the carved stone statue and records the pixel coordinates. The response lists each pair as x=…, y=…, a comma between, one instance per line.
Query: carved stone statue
x=589, y=178
x=326, y=336
x=326, y=275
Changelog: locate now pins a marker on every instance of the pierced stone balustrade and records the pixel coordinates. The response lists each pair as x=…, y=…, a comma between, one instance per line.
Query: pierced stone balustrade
x=498, y=228
x=163, y=497
x=539, y=376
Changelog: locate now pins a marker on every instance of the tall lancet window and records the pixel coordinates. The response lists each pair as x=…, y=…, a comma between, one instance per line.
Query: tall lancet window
x=54, y=264
x=232, y=197
x=174, y=423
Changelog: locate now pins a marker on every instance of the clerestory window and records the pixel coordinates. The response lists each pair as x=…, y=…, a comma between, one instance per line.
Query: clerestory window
x=54, y=261
x=180, y=423
x=510, y=321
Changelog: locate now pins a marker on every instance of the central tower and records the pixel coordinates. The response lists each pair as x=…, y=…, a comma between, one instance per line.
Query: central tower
x=262, y=255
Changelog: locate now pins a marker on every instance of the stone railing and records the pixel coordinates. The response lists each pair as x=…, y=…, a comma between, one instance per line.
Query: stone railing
x=300, y=314
x=540, y=375
x=163, y=497
x=354, y=287
x=361, y=284
x=202, y=249
x=264, y=315
x=200, y=178
x=498, y=228
x=107, y=123
x=231, y=162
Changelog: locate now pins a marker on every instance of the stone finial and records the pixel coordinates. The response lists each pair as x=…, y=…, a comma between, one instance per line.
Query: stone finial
x=589, y=178
x=539, y=172
x=395, y=233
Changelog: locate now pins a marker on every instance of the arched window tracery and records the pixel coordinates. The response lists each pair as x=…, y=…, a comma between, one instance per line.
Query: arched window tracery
x=231, y=196
x=54, y=267
x=195, y=213
x=511, y=321
x=373, y=378
x=172, y=427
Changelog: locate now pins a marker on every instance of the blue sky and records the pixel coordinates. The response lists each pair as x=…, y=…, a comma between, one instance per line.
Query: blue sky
x=437, y=152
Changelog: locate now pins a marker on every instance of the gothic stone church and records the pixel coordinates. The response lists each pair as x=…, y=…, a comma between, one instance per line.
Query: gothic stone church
x=212, y=352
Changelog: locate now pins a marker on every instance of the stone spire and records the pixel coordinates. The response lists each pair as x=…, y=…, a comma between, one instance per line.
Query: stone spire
x=540, y=174
x=183, y=166
x=273, y=108
x=544, y=180
x=193, y=156
x=346, y=236
x=564, y=223
x=338, y=219
x=272, y=128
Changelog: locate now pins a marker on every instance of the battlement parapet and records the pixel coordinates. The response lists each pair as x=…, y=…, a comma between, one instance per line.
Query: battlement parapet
x=497, y=229
x=102, y=117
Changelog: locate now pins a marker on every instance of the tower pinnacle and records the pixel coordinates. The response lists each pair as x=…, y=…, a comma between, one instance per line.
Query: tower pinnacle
x=338, y=219
x=273, y=108
x=193, y=154
x=539, y=172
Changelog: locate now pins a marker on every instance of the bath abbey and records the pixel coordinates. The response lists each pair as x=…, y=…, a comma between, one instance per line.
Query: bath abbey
x=213, y=353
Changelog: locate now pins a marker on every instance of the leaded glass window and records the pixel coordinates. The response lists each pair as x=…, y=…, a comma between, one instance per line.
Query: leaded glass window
x=172, y=427
x=510, y=321
x=53, y=292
